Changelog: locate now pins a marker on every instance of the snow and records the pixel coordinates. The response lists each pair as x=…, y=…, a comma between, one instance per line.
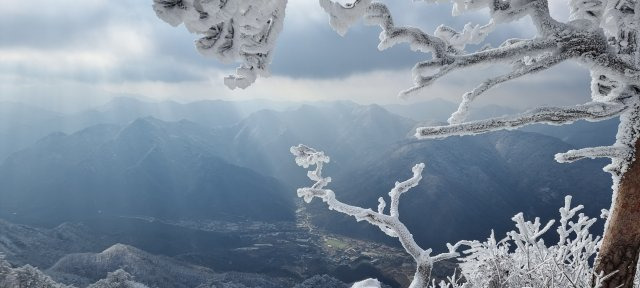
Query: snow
x=343, y=17
x=368, y=283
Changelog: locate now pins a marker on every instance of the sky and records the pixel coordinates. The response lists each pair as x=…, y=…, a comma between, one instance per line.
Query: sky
x=67, y=53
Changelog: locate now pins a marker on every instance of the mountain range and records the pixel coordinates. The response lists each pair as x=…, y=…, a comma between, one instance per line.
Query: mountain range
x=128, y=171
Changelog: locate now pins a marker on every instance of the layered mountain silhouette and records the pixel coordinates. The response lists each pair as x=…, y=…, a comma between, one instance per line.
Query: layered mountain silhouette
x=186, y=169
x=345, y=130
x=470, y=185
x=131, y=170
x=148, y=167
x=22, y=125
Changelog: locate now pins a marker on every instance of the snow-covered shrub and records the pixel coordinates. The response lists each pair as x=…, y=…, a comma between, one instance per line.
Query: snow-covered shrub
x=26, y=276
x=31, y=277
x=117, y=279
x=523, y=259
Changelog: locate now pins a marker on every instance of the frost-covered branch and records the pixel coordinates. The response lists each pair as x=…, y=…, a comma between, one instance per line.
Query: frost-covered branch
x=617, y=152
x=593, y=111
x=427, y=72
x=388, y=223
x=446, y=45
x=580, y=39
x=232, y=31
x=587, y=39
x=531, y=66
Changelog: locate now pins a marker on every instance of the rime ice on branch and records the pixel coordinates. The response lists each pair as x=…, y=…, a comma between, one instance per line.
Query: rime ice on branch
x=609, y=52
x=389, y=222
x=601, y=35
x=232, y=30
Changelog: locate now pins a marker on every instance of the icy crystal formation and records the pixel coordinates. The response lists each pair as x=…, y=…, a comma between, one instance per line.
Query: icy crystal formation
x=232, y=30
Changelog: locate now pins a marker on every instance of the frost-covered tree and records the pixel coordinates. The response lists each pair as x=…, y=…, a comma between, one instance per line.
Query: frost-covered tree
x=117, y=279
x=521, y=259
x=26, y=276
x=31, y=277
x=601, y=35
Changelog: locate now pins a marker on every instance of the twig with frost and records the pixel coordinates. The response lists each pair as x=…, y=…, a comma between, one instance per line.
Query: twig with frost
x=389, y=223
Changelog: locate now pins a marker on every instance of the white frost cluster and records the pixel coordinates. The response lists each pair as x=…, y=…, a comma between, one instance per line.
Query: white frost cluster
x=231, y=30
x=367, y=283
x=341, y=17
x=523, y=259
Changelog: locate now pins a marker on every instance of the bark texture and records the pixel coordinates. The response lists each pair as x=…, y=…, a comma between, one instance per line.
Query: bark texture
x=621, y=242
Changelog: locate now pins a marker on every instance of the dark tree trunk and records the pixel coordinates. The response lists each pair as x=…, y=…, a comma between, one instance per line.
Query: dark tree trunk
x=621, y=242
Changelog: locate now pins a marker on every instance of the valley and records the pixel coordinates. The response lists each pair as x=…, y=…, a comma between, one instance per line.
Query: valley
x=180, y=198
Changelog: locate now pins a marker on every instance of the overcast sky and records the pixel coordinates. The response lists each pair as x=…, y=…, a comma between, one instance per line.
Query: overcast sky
x=68, y=51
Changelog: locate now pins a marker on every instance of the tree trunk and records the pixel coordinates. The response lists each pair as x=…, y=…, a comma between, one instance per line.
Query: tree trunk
x=621, y=242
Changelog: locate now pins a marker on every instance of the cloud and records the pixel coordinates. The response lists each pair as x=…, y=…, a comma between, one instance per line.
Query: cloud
x=111, y=47
x=317, y=51
x=301, y=14
x=566, y=84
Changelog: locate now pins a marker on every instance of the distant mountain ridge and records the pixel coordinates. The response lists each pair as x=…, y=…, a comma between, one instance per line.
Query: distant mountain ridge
x=344, y=130
x=24, y=124
x=439, y=110
x=168, y=169
x=82, y=269
x=172, y=169
x=133, y=173
x=470, y=186
x=148, y=167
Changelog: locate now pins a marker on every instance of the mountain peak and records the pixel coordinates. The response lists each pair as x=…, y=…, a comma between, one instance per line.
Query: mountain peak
x=144, y=126
x=121, y=249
